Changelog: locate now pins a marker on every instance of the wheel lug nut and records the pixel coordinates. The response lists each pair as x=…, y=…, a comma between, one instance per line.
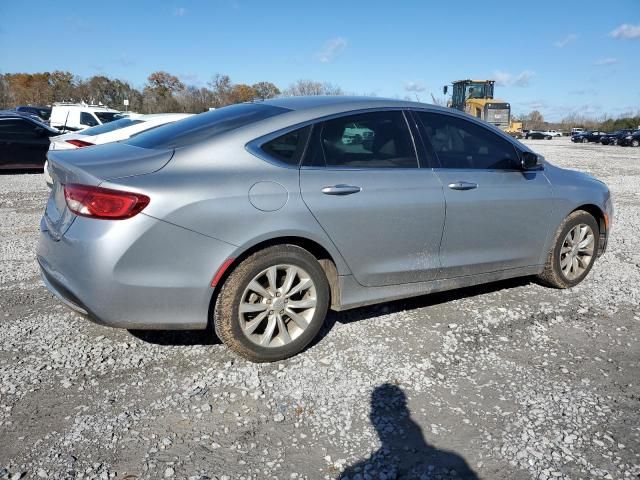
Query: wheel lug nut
x=270, y=312
x=281, y=312
x=269, y=301
x=286, y=300
x=277, y=294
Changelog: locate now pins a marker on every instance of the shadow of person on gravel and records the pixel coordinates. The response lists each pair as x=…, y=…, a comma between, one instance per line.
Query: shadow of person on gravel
x=404, y=452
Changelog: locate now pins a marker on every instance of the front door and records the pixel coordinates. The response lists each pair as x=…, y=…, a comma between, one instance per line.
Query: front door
x=497, y=214
x=361, y=181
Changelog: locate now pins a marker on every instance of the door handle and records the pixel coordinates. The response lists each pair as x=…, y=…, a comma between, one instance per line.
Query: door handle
x=462, y=185
x=341, y=189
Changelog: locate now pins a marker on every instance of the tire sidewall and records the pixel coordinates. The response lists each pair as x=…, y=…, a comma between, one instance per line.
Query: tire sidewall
x=227, y=305
x=572, y=221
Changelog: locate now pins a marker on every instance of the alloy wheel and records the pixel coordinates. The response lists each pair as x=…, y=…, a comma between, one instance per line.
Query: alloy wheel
x=576, y=253
x=277, y=305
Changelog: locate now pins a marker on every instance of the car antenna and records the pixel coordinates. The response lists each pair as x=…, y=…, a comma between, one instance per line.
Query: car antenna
x=64, y=127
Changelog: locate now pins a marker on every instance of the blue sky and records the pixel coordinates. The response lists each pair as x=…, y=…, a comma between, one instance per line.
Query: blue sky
x=557, y=57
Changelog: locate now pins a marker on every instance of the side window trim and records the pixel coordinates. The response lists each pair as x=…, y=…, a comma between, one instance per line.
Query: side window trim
x=427, y=157
x=427, y=141
x=255, y=147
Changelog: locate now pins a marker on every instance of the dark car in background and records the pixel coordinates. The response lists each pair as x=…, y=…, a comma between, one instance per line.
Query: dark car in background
x=24, y=141
x=614, y=138
x=532, y=134
x=42, y=112
x=588, y=136
x=630, y=140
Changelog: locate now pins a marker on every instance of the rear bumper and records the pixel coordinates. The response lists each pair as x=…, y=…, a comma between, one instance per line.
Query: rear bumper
x=139, y=273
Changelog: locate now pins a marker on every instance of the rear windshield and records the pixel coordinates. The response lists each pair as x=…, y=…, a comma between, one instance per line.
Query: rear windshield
x=106, y=117
x=204, y=126
x=110, y=127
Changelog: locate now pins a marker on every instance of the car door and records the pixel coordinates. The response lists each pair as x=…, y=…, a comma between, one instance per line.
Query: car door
x=25, y=143
x=497, y=215
x=362, y=181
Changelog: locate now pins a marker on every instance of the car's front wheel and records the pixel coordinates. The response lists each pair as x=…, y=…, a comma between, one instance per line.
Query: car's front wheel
x=273, y=304
x=585, y=140
x=635, y=142
x=573, y=252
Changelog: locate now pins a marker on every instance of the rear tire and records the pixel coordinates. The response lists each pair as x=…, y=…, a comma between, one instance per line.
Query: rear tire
x=572, y=255
x=260, y=315
x=635, y=143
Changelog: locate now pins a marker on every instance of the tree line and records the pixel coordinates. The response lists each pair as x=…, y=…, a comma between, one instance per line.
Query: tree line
x=162, y=92
x=536, y=121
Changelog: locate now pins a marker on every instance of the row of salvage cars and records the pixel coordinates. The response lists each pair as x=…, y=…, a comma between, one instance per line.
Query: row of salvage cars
x=625, y=137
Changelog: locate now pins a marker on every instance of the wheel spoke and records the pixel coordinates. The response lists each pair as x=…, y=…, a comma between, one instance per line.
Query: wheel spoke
x=565, y=249
x=582, y=232
x=565, y=262
x=574, y=266
x=299, y=319
x=256, y=287
x=251, y=326
x=584, y=260
x=586, y=243
x=283, y=333
x=304, y=303
x=265, y=340
x=288, y=279
x=301, y=286
x=272, y=276
x=253, y=307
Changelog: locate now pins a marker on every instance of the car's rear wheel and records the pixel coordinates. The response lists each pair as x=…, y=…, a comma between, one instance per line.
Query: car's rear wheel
x=273, y=304
x=635, y=142
x=573, y=252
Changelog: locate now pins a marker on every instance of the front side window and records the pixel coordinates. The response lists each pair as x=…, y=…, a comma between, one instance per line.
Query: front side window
x=17, y=128
x=106, y=117
x=459, y=143
x=288, y=148
x=367, y=140
x=88, y=119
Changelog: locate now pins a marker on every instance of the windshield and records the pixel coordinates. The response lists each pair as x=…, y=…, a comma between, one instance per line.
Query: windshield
x=106, y=117
x=478, y=90
x=204, y=126
x=110, y=127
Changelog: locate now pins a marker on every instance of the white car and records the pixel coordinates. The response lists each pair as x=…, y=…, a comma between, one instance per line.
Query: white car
x=110, y=132
x=120, y=129
x=552, y=133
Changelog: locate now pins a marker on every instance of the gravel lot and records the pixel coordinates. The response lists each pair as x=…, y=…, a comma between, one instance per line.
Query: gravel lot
x=505, y=381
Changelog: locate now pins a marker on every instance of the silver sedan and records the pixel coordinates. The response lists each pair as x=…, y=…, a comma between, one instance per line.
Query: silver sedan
x=258, y=217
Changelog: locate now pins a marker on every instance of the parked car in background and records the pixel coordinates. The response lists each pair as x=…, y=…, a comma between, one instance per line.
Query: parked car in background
x=588, y=136
x=631, y=140
x=552, y=133
x=42, y=112
x=257, y=217
x=613, y=138
x=120, y=129
x=24, y=141
x=535, y=135
x=576, y=131
x=77, y=116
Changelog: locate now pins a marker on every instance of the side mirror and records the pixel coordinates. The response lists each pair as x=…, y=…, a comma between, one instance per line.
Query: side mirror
x=531, y=161
x=445, y=89
x=41, y=132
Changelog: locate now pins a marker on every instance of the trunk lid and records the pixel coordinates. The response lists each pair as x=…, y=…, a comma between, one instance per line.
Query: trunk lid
x=92, y=166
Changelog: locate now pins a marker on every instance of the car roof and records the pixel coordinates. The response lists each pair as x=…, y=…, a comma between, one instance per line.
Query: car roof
x=159, y=116
x=24, y=115
x=342, y=103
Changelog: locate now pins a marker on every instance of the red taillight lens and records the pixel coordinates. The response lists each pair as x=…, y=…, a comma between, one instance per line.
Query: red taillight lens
x=79, y=143
x=104, y=203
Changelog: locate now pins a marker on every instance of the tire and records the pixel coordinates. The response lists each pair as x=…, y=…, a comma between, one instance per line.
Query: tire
x=284, y=337
x=553, y=274
x=585, y=140
x=635, y=142
x=549, y=137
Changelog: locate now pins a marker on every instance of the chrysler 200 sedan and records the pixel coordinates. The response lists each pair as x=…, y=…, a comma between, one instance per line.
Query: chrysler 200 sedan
x=258, y=217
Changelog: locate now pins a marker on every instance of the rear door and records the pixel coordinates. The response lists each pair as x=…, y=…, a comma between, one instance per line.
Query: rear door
x=24, y=143
x=497, y=214
x=362, y=181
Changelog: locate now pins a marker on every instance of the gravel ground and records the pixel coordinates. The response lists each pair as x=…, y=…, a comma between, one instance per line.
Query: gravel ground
x=505, y=381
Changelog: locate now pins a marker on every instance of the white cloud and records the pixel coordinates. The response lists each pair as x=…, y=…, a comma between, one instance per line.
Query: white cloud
x=572, y=37
x=180, y=12
x=506, y=79
x=332, y=49
x=414, y=87
x=605, y=62
x=630, y=32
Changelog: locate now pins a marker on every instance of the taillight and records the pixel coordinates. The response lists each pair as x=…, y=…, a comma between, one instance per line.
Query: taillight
x=79, y=143
x=104, y=203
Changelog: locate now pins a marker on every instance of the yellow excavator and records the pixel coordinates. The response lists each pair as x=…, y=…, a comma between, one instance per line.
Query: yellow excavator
x=476, y=98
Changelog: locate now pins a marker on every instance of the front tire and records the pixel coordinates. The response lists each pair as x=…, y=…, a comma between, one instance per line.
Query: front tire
x=573, y=252
x=585, y=140
x=635, y=143
x=273, y=304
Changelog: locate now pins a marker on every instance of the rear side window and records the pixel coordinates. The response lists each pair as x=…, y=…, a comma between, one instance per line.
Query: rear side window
x=106, y=117
x=88, y=119
x=367, y=140
x=459, y=143
x=17, y=128
x=288, y=148
x=204, y=126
